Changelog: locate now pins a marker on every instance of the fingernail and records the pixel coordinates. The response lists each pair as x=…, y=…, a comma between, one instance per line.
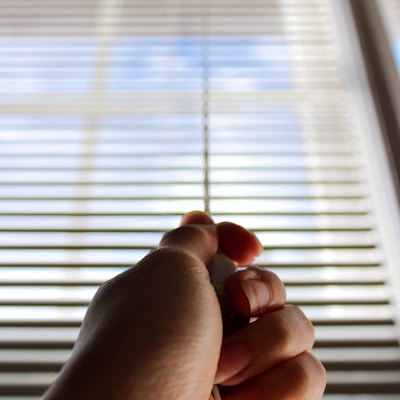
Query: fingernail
x=197, y=217
x=257, y=293
x=235, y=357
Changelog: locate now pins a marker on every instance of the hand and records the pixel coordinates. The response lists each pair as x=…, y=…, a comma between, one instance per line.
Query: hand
x=155, y=331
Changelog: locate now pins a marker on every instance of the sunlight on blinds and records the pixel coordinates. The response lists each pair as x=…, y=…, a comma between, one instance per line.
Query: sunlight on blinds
x=117, y=116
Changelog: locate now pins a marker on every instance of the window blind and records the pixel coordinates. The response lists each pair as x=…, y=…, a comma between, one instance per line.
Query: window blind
x=117, y=116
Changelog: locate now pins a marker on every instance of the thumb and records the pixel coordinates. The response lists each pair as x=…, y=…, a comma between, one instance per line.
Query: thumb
x=187, y=331
x=154, y=331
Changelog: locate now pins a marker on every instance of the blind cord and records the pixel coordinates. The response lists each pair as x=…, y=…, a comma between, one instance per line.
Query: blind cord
x=205, y=103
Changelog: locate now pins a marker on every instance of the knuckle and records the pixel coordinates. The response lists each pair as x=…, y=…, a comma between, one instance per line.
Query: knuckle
x=293, y=331
x=308, y=376
x=302, y=378
x=107, y=287
x=284, y=337
x=181, y=234
x=200, y=240
x=175, y=258
x=302, y=322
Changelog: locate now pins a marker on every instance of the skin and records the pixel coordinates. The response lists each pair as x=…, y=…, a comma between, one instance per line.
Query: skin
x=155, y=331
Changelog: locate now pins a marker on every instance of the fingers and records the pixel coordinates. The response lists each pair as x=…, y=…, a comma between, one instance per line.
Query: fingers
x=259, y=360
x=199, y=236
x=255, y=290
x=305, y=374
x=275, y=337
x=238, y=243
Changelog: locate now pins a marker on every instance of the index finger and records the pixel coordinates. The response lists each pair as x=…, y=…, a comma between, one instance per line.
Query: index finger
x=239, y=244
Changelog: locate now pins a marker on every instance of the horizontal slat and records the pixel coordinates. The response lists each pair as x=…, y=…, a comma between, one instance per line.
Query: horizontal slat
x=150, y=239
x=144, y=222
x=160, y=148
x=265, y=222
x=86, y=7
x=78, y=67
x=266, y=147
x=315, y=295
x=245, y=173
x=66, y=258
x=339, y=336
x=326, y=336
x=74, y=103
x=320, y=315
x=92, y=192
x=45, y=360
x=138, y=102
x=137, y=131
x=288, y=206
x=84, y=161
x=25, y=384
x=167, y=21
x=272, y=258
x=356, y=336
x=320, y=258
x=297, y=276
x=232, y=175
x=142, y=191
x=354, y=388
x=132, y=206
x=159, y=68
x=331, y=275
x=42, y=316
x=156, y=84
x=364, y=358
x=301, y=5
x=57, y=276
x=350, y=314
x=364, y=381
x=169, y=147
x=44, y=207
x=79, y=103
x=323, y=126
x=299, y=161
x=261, y=126
x=317, y=240
x=19, y=397
x=89, y=32
x=42, y=10
x=46, y=296
x=158, y=221
x=15, y=163
x=335, y=294
x=32, y=360
x=58, y=338
x=342, y=396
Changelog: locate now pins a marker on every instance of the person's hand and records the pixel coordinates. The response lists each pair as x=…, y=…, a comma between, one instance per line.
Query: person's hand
x=155, y=331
